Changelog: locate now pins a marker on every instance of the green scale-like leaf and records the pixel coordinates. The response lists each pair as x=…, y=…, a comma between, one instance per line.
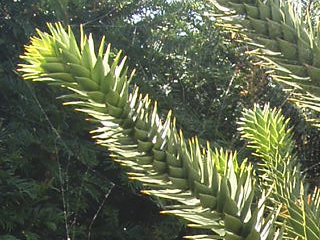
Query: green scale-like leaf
x=287, y=43
x=267, y=133
x=209, y=188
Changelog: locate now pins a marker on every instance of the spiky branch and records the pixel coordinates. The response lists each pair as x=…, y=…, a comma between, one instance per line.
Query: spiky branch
x=211, y=190
x=269, y=136
x=288, y=43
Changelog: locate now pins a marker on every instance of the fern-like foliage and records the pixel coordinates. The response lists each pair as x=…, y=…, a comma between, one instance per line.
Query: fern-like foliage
x=288, y=42
x=208, y=187
x=268, y=135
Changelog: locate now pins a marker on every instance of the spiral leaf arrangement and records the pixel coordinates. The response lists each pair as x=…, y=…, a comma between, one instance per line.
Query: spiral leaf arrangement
x=208, y=187
x=269, y=136
x=289, y=45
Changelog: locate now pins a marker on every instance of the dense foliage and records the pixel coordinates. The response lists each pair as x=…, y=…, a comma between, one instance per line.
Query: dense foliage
x=54, y=179
x=48, y=161
x=208, y=186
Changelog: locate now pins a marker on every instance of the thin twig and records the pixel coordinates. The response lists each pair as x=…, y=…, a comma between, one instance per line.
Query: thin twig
x=74, y=221
x=100, y=17
x=309, y=168
x=99, y=209
x=65, y=210
x=224, y=103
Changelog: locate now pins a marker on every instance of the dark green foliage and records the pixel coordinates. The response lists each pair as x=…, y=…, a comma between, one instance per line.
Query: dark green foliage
x=37, y=165
x=46, y=168
x=39, y=168
x=193, y=70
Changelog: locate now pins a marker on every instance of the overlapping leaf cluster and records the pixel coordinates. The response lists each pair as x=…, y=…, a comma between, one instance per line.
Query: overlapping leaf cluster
x=268, y=134
x=208, y=186
x=290, y=45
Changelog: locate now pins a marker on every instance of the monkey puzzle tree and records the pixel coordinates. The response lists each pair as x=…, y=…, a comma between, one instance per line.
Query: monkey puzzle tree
x=287, y=42
x=208, y=186
x=31, y=184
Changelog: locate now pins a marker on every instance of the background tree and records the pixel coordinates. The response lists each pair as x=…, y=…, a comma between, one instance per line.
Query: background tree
x=182, y=59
